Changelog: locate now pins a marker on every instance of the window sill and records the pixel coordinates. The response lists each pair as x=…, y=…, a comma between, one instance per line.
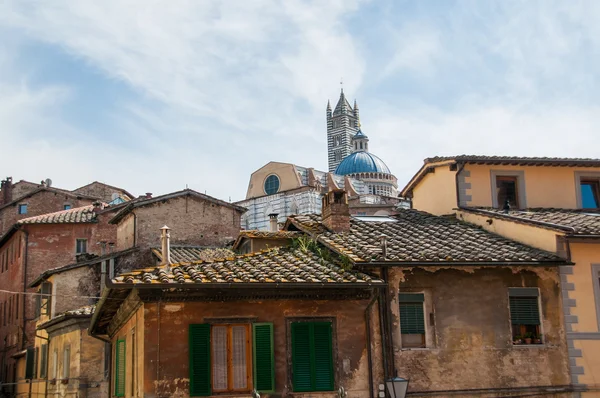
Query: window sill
x=530, y=345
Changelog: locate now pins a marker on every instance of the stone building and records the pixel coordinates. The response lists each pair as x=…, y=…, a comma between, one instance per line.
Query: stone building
x=549, y=203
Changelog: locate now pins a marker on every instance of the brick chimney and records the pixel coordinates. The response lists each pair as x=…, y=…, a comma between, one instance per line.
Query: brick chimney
x=7, y=189
x=335, y=211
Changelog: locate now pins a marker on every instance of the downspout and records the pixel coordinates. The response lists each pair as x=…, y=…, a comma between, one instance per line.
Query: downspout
x=383, y=326
x=134, y=229
x=456, y=176
x=369, y=354
x=388, y=324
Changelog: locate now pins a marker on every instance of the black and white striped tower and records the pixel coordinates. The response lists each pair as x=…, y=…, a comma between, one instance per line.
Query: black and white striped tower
x=342, y=125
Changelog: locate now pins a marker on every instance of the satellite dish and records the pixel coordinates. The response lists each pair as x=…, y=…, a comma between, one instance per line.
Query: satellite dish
x=114, y=196
x=48, y=182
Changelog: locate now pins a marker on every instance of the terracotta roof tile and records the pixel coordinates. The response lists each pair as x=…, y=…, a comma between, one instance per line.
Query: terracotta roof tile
x=276, y=266
x=417, y=236
x=575, y=221
x=181, y=254
x=83, y=214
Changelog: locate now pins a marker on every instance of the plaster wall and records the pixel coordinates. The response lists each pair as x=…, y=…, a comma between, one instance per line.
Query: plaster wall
x=126, y=232
x=436, y=192
x=135, y=354
x=288, y=178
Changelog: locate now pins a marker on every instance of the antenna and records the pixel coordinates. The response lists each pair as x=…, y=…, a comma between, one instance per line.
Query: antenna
x=48, y=182
x=342, y=83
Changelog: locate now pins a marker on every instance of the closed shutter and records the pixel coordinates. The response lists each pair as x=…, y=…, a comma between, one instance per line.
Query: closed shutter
x=120, y=369
x=524, y=311
x=312, y=356
x=412, y=319
x=29, y=363
x=44, y=361
x=301, y=357
x=264, y=359
x=323, y=356
x=199, y=351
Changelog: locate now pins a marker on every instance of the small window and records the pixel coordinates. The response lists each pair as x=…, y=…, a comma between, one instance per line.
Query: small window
x=67, y=207
x=412, y=320
x=506, y=190
x=312, y=356
x=590, y=194
x=271, y=184
x=81, y=246
x=525, y=315
x=22, y=209
x=337, y=155
x=66, y=362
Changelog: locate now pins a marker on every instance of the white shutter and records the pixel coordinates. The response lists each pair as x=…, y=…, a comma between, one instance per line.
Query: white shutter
x=219, y=357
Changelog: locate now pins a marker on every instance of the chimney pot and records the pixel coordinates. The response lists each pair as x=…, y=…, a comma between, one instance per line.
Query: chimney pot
x=273, y=222
x=148, y=195
x=165, y=245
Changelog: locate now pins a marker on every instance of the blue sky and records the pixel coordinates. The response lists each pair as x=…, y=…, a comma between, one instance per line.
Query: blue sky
x=153, y=95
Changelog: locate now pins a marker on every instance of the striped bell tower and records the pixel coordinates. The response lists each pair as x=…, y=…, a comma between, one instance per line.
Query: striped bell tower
x=342, y=125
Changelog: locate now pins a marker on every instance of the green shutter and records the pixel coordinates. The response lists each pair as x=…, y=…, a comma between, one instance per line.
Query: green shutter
x=120, y=369
x=411, y=297
x=312, y=357
x=524, y=311
x=29, y=363
x=264, y=359
x=44, y=361
x=199, y=351
x=323, y=356
x=411, y=318
x=301, y=357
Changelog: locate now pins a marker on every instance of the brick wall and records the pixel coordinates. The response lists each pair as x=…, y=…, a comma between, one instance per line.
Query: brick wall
x=100, y=190
x=193, y=221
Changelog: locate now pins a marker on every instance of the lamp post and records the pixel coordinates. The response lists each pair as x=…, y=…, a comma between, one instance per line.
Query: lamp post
x=397, y=387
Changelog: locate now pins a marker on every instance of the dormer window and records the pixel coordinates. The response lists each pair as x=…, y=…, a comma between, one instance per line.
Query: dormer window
x=590, y=193
x=508, y=187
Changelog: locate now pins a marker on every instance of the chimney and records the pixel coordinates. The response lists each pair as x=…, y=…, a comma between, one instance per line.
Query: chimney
x=6, y=189
x=273, y=222
x=165, y=245
x=148, y=195
x=97, y=206
x=335, y=211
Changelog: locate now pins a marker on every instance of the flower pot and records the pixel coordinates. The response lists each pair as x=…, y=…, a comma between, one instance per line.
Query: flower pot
x=64, y=381
x=519, y=341
x=53, y=381
x=537, y=341
x=527, y=340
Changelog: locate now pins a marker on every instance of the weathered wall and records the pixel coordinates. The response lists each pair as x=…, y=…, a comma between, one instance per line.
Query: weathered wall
x=69, y=335
x=166, y=341
x=126, y=232
x=471, y=333
x=288, y=178
x=436, y=193
x=75, y=288
x=40, y=203
x=135, y=353
x=544, y=186
x=193, y=221
x=99, y=190
x=92, y=366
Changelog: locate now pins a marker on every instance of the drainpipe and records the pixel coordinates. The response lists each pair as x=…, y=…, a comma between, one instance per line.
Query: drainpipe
x=369, y=355
x=383, y=327
x=461, y=166
x=24, y=306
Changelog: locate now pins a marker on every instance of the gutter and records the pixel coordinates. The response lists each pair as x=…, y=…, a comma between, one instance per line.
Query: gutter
x=509, y=217
x=466, y=263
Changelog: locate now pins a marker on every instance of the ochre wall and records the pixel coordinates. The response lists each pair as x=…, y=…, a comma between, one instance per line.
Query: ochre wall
x=135, y=367
x=288, y=178
x=167, y=328
x=436, y=192
x=544, y=186
x=471, y=329
x=125, y=232
x=544, y=239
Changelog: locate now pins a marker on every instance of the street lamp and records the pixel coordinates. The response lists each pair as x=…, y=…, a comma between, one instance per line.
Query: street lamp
x=397, y=387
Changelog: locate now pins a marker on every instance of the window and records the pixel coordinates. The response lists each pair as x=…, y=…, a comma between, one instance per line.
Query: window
x=54, y=364
x=66, y=362
x=312, y=356
x=337, y=155
x=222, y=359
x=525, y=315
x=81, y=246
x=506, y=190
x=43, y=300
x=43, y=360
x=120, y=368
x=412, y=320
x=337, y=140
x=22, y=209
x=30, y=363
x=67, y=207
x=271, y=184
x=590, y=193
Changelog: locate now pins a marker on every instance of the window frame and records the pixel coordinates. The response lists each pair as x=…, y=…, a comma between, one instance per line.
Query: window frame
x=21, y=206
x=229, y=349
x=525, y=293
x=596, y=282
x=404, y=298
x=66, y=368
x=278, y=184
x=77, y=241
x=586, y=176
x=520, y=187
x=289, y=346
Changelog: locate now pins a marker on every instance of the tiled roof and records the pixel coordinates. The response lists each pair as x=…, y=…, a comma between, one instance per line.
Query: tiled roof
x=417, y=237
x=82, y=312
x=255, y=234
x=181, y=254
x=48, y=189
x=541, y=161
x=83, y=214
x=272, y=267
x=573, y=221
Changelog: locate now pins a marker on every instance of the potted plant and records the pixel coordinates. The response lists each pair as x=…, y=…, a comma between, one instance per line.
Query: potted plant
x=528, y=337
x=64, y=381
x=537, y=339
x=518, y=339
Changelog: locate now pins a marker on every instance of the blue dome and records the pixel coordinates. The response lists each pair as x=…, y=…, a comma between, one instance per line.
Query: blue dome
x=361, y=162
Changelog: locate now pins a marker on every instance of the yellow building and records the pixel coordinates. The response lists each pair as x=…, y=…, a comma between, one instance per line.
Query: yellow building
x=549, y=203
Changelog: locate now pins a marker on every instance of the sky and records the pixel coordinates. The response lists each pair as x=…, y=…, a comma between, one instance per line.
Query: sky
x=154, y=96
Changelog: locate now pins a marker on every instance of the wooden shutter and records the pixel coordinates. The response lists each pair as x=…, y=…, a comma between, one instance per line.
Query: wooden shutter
x=302, y=364
x=412, y=319
x=29, y=363
x=199, y=351
x=524, y=311
x=263, y=357
x=44, y=361
x=120, y=369
x=323, y=358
